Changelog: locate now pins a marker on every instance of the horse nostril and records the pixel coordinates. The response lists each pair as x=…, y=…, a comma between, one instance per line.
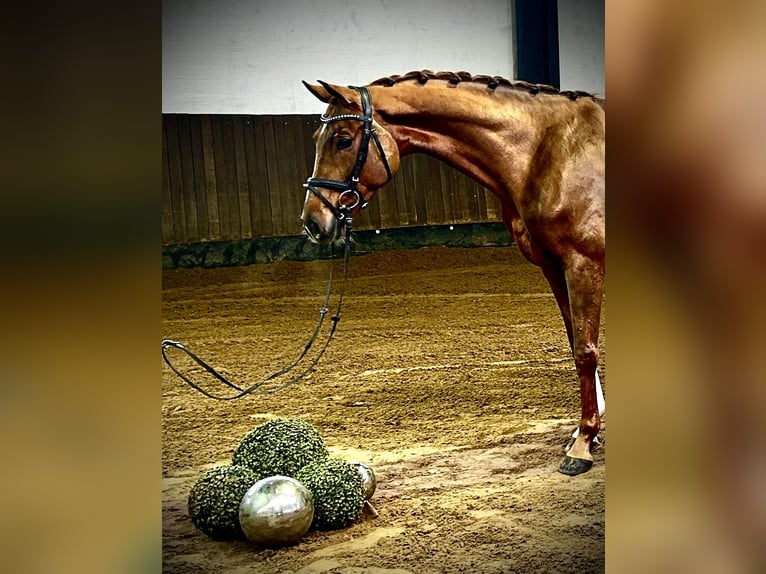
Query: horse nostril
x=312, y=228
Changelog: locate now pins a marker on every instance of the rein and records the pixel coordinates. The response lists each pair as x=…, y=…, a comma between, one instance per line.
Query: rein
x=256, y=388
x=349, y=188
x=342, y=213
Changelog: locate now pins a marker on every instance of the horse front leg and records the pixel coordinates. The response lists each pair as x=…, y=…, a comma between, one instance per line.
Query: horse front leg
x=554, y=274
x=585, y=286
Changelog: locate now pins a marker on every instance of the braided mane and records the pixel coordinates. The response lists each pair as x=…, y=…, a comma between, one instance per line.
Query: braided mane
x=492, y=82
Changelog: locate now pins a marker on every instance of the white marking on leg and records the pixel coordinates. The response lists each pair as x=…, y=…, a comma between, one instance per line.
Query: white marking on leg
x=600, y=401
x=600, y=397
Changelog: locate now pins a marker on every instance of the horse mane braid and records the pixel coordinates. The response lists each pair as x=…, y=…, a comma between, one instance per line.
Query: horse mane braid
x=492, y=82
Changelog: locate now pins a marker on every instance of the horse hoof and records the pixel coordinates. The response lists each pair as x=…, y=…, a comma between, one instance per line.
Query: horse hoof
x=573, y=466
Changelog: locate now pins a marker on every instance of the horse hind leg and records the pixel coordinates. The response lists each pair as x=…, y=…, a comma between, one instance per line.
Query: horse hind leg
x=585, y=285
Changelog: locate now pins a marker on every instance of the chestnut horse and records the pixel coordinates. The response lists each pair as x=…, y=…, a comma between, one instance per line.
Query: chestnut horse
x=540, y=151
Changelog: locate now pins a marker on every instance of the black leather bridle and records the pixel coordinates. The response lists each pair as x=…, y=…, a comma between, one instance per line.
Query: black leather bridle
x=349, y=194
x=347, y=189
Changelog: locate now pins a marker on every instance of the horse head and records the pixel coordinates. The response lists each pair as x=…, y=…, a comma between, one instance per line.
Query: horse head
x=347, y=169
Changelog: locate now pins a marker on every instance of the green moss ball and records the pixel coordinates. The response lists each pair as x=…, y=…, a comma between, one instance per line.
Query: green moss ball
x=280, y=446
x=214, y=501
x=336, y=487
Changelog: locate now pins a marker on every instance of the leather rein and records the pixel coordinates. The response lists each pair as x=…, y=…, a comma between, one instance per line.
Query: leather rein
x=271, y=383
x=348, y=190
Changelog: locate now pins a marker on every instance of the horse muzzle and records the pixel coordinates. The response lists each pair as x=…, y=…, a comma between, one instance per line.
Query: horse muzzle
x=323, y=219
x=320, y=226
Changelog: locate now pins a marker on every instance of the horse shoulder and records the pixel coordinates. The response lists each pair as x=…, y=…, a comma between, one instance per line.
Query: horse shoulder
x=562, y=202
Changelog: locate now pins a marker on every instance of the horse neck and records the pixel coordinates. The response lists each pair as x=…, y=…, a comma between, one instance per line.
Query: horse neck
x=490, y=138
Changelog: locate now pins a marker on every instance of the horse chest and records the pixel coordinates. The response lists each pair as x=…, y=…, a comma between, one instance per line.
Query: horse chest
x=526, y=243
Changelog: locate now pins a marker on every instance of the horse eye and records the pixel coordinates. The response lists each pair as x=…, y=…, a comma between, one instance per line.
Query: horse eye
x=344, y=143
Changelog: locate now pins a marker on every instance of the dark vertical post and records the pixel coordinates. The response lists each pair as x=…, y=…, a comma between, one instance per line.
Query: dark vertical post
x=536, y=42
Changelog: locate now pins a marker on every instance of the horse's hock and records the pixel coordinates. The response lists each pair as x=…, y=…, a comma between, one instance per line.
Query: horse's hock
x=450, y=375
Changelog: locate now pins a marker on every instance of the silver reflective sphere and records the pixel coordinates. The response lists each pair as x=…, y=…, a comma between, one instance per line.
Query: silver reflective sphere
x=369, y=483
x=276, y=511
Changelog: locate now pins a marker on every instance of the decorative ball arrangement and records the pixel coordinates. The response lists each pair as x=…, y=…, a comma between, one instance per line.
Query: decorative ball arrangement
x=337, y=490
x=280, y=447
x=214, y=501
x=281, y=483
x=276, y=511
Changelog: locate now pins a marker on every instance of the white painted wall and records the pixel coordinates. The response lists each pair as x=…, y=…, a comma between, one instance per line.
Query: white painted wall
x=581, y=45
x=249, y=56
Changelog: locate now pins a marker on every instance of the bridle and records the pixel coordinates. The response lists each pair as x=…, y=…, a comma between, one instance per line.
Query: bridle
x=348, y=190
x=349, y=194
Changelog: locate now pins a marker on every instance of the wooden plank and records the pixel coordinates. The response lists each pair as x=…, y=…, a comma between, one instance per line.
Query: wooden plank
x=273, y=172
x=481, y=202
x=187, y=174
x=468, y=198
x=363, y=219
x=303, y=160
x=310, y=125
x=258, y=178
x=240, y=166
x=453, y=193
x=373, y=212
x=445, y=179
x=294, y=123
x=398, y=185
x=408, y=185
x=175, y=178
x=424, y=200
x=463, y=196
x=296, y=174
x=439, y=215
x=456, y=195
x=220, y=176
x=231, y=194
x=389, y=209
x=168, y=233
x=285, y=156
x=211, y=190
x=200, y=185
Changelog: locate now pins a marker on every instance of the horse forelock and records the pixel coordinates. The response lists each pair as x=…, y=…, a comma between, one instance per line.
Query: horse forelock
x=491, y=82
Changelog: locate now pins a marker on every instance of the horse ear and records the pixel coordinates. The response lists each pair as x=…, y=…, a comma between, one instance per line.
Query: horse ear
x=335, y=91
x=342, y=94
x=319, y=92
x=332, y=94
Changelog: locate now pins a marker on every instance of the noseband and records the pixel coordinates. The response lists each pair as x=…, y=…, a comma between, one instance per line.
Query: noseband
x=349, y=195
